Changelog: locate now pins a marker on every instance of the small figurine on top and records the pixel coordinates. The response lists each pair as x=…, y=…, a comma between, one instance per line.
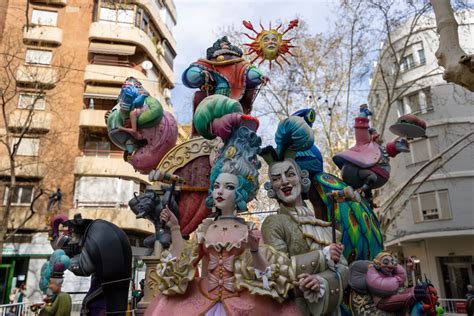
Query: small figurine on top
x=224, y=71
x=366, y=165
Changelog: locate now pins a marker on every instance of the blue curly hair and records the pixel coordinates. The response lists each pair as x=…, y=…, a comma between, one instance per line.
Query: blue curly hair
x=238, y=157
x=54, y=269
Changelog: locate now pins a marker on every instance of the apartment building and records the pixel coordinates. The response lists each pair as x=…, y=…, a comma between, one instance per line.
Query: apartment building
x=431, y=218
x=68, y=59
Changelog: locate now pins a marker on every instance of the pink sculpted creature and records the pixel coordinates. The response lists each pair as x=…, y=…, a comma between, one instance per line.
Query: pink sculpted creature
x=366, y=165
x=385, y=275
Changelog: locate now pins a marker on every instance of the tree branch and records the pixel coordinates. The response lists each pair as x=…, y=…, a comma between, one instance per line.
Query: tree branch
x=458, y=65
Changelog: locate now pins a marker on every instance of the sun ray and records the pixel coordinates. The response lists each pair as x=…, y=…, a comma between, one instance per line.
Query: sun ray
x=283, y=57
x=276, y=60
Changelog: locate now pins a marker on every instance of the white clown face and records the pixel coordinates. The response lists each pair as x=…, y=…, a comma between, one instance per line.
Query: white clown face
x=286, y=182
x=224, y=192
x=388, y=263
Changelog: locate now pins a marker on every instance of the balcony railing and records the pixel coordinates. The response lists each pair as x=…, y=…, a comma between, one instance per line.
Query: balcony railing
x=37, y=121
x=133, y=35
x=104, y=74
x=453, y=306
x=115, y=213
x=99, y=204
x=28, y=167
x=106, y=164
x=92, y=118
x=43, y=34
x=36, y=75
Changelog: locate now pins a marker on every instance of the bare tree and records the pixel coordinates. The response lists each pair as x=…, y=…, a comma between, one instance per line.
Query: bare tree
x=402, y=26
x=458, y=65
x=318, y=77
x=26, y=99
x=399, y=27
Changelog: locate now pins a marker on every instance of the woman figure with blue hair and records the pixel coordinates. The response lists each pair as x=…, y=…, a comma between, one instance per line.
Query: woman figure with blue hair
x=239, y=275
x=57, y=302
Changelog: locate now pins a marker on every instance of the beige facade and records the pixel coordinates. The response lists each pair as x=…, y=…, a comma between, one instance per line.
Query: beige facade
x=70, y=61
x=428, y=204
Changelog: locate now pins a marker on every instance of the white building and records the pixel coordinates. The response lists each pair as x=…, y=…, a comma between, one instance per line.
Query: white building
x=432, y=220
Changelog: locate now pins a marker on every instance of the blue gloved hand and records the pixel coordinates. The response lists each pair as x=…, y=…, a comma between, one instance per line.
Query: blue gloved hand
x=364, y=111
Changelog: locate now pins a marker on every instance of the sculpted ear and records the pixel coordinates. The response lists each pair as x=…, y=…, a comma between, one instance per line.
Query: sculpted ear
x=270, y=192
x=305, y=181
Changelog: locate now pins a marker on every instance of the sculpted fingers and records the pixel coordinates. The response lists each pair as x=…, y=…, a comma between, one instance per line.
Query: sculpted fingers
x=304, y=282
x=313, y=285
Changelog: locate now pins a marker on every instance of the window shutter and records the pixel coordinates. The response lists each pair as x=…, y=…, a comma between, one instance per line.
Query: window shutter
x=445, y=208
x=429, y=206
x=415, y=207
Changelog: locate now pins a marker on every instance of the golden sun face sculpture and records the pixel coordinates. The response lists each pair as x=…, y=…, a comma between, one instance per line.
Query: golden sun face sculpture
x=269, y=44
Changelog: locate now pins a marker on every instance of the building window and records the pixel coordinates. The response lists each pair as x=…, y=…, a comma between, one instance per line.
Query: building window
x=423, y=150
x=97, y=149
x=407, y=62
x=106, y=192
x=42, y=17
x=415, y=103
x=421, y=56
x=27, y=146
x=167, y=18
x=117, y=15
x=430, y=206
x=29, y=101
x=39, y=57
x=169, y=54
x=23, y=195
x=144, y=22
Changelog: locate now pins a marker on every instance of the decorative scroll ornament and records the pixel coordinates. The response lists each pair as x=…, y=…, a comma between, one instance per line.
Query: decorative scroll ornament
x=180, y=155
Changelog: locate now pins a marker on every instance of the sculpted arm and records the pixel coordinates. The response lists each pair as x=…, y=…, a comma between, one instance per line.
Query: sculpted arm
x=171, y=221
x=273, y=233
x=254, y=77
x=193, y=77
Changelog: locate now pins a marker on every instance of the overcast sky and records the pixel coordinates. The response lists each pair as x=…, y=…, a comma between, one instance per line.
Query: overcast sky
x=199, y=22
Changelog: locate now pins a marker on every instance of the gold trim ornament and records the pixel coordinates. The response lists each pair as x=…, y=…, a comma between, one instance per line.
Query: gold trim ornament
x=230, y=152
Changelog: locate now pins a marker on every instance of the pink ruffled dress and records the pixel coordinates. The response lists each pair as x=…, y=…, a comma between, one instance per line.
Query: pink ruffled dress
x=228, y=285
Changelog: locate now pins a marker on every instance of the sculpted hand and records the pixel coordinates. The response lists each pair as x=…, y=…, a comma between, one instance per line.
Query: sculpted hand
x=126, y=123
x=254, y=239
x=308, y=281
x=168, y=217
x=207, y=76
x=364, y=111
x=335, y=251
